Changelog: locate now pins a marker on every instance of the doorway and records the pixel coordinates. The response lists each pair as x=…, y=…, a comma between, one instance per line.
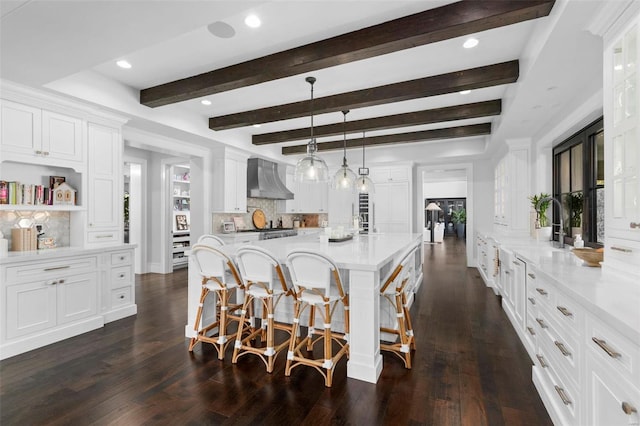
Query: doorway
x=133, y=209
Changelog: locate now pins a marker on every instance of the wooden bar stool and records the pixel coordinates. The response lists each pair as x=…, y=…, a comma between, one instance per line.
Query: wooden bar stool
x=220, y=275
x=210, y=240
x=395, y=290
x=311, y=274
x=257, y=268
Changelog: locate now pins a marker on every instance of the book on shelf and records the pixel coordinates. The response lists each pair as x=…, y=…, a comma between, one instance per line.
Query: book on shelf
x=16, y=193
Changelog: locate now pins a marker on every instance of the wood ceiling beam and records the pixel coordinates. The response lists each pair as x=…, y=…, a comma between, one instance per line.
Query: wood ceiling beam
x=414, y=118
x=474, y=78
x=425, y=135
x=433, y=25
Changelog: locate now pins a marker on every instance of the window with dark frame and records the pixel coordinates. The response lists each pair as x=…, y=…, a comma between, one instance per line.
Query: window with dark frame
x=578, y=182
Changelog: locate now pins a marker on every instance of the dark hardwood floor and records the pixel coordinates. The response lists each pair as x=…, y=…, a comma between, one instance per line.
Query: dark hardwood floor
x=469, y=369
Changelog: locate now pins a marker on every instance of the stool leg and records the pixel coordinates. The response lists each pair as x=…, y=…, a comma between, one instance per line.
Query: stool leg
x=407, y=316
x=404, y=339
x=270, y=334
x=196, y=325
x=312, y=320
x=247, y=300
x=327, y=345
x=293, y=338
x=222, y=329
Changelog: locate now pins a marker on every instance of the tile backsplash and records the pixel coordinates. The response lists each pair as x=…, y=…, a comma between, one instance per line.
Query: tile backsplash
x=55, y=224
x=270, y=209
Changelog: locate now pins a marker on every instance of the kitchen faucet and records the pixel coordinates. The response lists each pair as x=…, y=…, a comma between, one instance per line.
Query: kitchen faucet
x=561, y=209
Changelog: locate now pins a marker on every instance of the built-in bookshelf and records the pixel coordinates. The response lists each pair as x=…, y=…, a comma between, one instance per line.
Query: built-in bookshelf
x=181, y=202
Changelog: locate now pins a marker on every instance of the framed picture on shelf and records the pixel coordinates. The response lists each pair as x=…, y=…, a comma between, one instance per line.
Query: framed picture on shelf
x=228, y=227
x=181, y=222
x=54, y=181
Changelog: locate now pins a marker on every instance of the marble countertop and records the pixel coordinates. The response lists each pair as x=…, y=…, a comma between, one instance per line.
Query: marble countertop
x=609, y=296
x=55, y=253
x=363, y=252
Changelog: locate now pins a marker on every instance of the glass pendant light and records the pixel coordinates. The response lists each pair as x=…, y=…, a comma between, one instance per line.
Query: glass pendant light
x=311, y=168
x=345, y=178
x=364, y=184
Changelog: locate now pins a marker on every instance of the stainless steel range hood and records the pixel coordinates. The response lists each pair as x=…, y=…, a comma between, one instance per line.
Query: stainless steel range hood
x=263, y=181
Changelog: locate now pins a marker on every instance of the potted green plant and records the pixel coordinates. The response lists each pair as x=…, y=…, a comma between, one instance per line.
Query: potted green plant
x=540, y=203
x=459, y=217
x=576, y=205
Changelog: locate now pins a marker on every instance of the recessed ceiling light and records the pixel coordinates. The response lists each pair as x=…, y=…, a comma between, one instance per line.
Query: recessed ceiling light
x=123, y=64
x=205, y=102
x=465, y=92
x=252, y=21
x=470, y=43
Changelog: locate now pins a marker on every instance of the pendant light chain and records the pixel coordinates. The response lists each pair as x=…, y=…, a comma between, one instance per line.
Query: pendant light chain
x=344, y=140
x=312, y=143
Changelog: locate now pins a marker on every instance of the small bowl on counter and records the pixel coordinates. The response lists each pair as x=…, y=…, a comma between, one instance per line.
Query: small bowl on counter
x=590, y=256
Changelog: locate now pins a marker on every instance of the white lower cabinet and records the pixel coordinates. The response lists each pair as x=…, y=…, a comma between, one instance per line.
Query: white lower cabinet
x=45, y=300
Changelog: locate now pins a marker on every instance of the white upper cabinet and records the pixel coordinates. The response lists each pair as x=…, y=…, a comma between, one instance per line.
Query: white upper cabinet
x=230, y=183
x=34, y=135
x=392, y=205
x=511, y=189
x=622, y=124
x=307, y=197
x=104, y=209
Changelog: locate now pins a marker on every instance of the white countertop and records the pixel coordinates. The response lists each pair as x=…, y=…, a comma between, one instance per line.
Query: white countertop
x=611, y=297
x=54, y=253
x=364, y=252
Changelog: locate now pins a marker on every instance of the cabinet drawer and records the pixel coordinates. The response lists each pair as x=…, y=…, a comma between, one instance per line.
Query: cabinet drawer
x=121, y=258
x=561, y=347
x=120, y=297
x=100, y=237
x=121, y=276
x=623, y=255
x=537, y=289
x=616, y=351
x=568, y=314
x=47, y=270
x=563, y=395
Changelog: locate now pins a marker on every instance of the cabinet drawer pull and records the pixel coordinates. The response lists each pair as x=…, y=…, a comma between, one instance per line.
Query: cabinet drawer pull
x=543, y=364
x=514, y=262
x=533, y=333
x=562, y=349
x=623, y=250
x=541, y=322
x=121, y=257
x=634, y=225
x=532, y=300
x=507, y=272
x=565, y=311
x=121, y=275
x=603, y=345
x=45, y=153
x=105, y=236
x=541, y=291
x=61, y=282
x=563, y=396
x=628, y=408
x=532, y=275
x=57, y=267
x=54, y=282
x=121, y=296
x=38, y=152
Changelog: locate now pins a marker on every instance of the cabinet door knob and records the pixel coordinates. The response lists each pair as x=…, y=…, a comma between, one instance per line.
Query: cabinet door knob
x=38, y=152
x=46, y=153
x=563, y=395
x=542, y=363
x=121, y=275
x=634, y=225
x=628, y=408
x=121, y=257
x=565, y=311
x=121, y=296
x=61, y=282
x=562, y=348
x=603, y=345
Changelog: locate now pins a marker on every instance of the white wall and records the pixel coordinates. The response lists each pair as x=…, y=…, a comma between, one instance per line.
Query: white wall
x=454, y=189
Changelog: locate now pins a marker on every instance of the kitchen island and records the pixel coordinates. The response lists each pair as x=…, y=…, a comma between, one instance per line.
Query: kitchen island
x=364, y=261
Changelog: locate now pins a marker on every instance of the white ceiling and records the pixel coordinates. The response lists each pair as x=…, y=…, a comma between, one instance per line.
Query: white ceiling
x=71, y=47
